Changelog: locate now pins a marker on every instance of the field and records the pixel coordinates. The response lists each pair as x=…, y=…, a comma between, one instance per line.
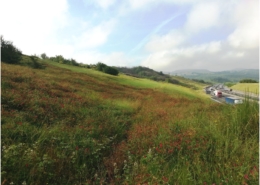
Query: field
x=247, y=87
x=71, y=125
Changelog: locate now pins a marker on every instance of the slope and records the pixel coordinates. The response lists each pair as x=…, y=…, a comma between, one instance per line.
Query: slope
x=80, y=126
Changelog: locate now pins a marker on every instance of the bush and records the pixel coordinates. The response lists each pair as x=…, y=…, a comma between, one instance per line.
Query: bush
x=110, y=70
x=248, y=81
x=172, y=81
x=100, y=66
x=9, y=53
x=35, y=63
x=106, y=69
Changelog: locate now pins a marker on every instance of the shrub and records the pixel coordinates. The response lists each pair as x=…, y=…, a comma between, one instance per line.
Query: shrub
x=100, y=66
x=248, y=81
x=44, y=56
x=173, y=81
x=9, y=53
x=110, y=70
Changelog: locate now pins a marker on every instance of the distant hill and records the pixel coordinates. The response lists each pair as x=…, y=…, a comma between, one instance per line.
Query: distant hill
x=191, y=71
x=144, y=72
x=220, y=76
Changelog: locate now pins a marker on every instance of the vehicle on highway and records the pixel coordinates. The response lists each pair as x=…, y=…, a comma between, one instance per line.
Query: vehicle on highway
x=232, y=100
x=217, y=93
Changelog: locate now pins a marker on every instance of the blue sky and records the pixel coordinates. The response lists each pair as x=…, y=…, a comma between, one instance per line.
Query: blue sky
x=165, y=35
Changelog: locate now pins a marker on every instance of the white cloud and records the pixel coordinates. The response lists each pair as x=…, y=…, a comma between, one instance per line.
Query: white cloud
x=118, y=59
x=246, y=18
x=95, y=36
x=111, y=59
x=203, y=16
x=30, y=23
x=105, y=3
x=239, y=50
x=183, y=57
x=137, y=4
x=168, y=41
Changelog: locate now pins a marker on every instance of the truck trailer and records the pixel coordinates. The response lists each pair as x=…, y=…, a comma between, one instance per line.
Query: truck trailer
x=232, y=100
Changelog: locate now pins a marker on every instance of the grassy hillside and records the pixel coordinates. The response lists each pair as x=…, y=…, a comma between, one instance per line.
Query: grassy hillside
x=144, y=72
x=247, y=87
x=69, y=125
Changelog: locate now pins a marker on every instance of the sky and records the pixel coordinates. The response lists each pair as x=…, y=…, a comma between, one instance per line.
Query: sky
x=165, y=35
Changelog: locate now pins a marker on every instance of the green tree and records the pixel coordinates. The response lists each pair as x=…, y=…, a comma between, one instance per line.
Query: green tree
x=44, y=56
x=100, y=66
x=110, y=70
x=9, y=53
x=35, y=64
x=248, y=81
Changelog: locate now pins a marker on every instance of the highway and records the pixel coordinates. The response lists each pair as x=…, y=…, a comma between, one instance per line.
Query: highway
x=227, y=92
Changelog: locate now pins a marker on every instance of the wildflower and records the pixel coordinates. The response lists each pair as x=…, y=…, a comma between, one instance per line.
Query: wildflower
x=11, y=183
x=165, y=179
x=24, y=183
x=246, y=177
x=77, y=148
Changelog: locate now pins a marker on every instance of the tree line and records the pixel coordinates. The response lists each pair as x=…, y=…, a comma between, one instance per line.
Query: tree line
x=12, y=55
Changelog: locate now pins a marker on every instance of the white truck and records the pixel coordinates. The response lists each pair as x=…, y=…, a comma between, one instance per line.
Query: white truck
x=217, y=93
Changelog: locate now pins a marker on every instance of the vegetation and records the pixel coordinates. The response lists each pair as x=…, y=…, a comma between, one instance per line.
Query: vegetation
x=9, y=53
x=60, y=59
x=248, y=81
x=144, y=72
x=233, y=76
x=247, y=87
x=229, y=84
x=86, y=127
x=106, y=69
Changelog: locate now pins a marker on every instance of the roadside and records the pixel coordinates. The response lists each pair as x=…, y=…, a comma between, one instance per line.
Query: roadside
x=227, y=92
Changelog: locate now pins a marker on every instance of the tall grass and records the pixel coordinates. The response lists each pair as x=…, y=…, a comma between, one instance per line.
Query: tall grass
x=65, y=127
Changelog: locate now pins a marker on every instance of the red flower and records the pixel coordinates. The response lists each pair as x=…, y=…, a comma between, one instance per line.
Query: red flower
x=246, y=177
x=165, y=179
x=161, y=145
x=77, y=148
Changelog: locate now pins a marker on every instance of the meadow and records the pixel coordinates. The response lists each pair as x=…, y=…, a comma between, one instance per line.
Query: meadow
x=247, y=87
x=71, y=125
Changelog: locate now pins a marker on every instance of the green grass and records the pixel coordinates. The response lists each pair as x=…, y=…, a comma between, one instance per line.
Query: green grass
x=139, y=82
x=71, y=125
x=248, y=87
